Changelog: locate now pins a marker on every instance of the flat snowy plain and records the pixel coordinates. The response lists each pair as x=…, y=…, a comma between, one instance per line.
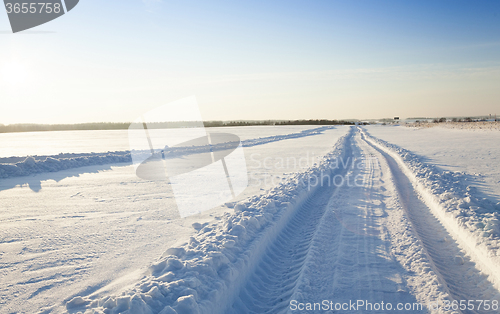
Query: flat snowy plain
x=402, y=216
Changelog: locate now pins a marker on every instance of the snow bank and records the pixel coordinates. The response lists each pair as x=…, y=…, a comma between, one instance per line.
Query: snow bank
x=25, y=166
x=473, y=221
x=274, y=138
x=34, y=164
x=204, y=275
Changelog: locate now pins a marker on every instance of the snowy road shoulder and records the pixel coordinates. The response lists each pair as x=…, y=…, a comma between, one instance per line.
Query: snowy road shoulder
x=472, y=221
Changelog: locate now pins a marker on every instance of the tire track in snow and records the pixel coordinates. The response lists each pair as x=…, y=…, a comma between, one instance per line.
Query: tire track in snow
x=352, y=256
x=455, y=270
x=336, y=248
x=372, y=273
x=272, y=284
x=270, y=287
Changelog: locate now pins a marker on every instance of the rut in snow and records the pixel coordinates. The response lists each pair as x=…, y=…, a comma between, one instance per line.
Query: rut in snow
x=272, y=284
x=351, y=257
x=456, y=271
x=353, y=260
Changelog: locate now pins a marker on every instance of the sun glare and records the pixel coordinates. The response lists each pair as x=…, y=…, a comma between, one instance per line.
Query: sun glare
x=13, y=73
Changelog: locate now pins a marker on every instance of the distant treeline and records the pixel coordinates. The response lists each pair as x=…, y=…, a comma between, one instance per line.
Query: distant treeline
x=163, y=125
x=277, y=122
x=441, y=120
x=61, y=127
x=455, y=119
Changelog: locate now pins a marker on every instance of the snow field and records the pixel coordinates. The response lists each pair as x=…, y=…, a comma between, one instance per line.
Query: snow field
x=472, y=221
x=24, y=166
x=203, y=275
x=398, y=237
x=93, y=231
x=52, y=143
x=471, y=126
x=476, y=155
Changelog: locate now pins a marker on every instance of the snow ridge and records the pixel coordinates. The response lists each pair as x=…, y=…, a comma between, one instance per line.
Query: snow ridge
x=25, y=166
x=206, y=274
x=474, y=222
x=30, y=165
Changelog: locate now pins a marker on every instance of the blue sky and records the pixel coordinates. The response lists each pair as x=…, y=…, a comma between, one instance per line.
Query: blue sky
x=113, y=60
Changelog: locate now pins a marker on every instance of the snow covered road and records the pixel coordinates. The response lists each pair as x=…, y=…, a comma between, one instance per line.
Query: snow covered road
x=368, y=228
x=353, y=234
x=364, y=243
